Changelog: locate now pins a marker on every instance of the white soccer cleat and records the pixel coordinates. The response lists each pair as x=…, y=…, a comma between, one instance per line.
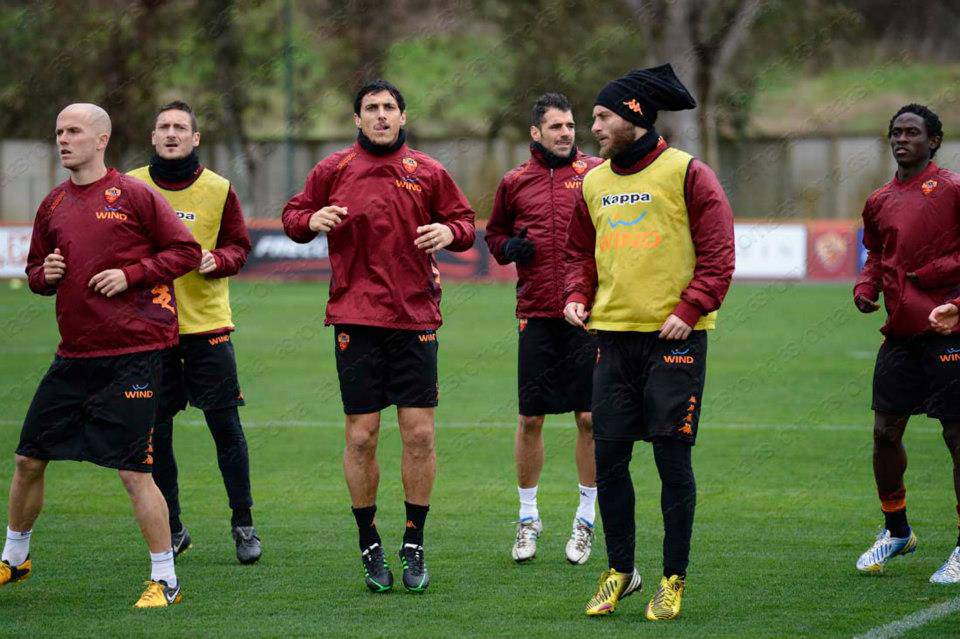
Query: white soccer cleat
x=949, y=573
x=525, y=546
x=580, y=543
x=884, y=549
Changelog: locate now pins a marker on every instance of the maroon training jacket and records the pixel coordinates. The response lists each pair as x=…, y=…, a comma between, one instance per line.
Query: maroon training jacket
x=115, y=222
x=912, y=226
x=379, y=277
x=541, y=200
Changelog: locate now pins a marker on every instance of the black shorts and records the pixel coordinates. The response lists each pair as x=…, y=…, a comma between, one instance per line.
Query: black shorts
x=378, y=367
x=918, y=375
x=97, y=409
x=555, y=371
x=201, y=370
x=645, y=387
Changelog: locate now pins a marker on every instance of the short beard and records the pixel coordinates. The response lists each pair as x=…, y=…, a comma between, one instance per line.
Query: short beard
x=619, y=140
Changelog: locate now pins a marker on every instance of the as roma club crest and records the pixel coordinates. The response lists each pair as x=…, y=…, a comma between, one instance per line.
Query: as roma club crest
x=343, y=340
x=111, y=195
x=928, y=187
x=409, y=164
x=579, y=166
x=523, y=325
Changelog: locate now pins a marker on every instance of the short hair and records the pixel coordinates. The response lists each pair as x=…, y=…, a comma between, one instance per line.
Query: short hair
x=930, y=119
x=376, y=87
x=548, y=101
x=179, y=105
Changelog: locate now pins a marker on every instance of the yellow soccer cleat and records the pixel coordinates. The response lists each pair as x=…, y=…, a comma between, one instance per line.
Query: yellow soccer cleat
x=15, y=574
x=665, y=604
x=159, y=595
x=612, y=587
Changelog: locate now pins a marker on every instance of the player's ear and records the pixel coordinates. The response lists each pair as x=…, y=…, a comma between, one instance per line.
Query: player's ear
x=535, y=133
x=196, y=139
x=356, y=120
x=403, y=118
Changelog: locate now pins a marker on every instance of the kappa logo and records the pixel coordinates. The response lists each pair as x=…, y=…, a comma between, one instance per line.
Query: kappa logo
x=219, y=339
x=633, y=105
x=111, y=215
x=579, y=166
x=149, y=458
x=928, y=187
x=343, y=340
x=679, y=356
x=187, y=216
x=56, y=201
x=409, y=164
x=162, y=297
x=952, y=355
x=111, y=195
x=686, y=424
x=346, y=160
x=138, y=391
x=618, y=199
x=427, y=337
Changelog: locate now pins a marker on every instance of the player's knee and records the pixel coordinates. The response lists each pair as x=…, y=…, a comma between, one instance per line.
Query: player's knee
x=29, y=467
x=531, y=424
x=584, y=422
x=419, y=439
x=887, y=435
x=134, y=481
x=361, y=442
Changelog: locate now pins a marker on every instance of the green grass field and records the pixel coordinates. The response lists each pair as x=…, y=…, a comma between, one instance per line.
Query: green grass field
x=786, y=495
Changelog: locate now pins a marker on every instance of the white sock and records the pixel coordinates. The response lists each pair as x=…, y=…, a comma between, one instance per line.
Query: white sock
x=17, y=548
x=588, y=498
x=161, y=567
x=528, y=503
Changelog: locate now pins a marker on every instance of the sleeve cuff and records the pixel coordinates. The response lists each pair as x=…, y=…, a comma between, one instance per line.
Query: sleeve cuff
x=303, y=225
x=689, y=313
x=580, y=298
x=134, y=274
x=867, y=290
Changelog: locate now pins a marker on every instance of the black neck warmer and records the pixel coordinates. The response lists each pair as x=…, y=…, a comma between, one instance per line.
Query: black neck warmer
x=172, y=171
x=636, y=151
x=551, y=160
x=379, y=149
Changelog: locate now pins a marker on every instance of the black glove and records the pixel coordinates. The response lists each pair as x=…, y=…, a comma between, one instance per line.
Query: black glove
x=519, y=249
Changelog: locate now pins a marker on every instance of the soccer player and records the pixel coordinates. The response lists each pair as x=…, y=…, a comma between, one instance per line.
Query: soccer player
x=203, y=368
x=913, y=242
x=528, y=226
x=385, y=211
x=109, y=248
x=650, y=255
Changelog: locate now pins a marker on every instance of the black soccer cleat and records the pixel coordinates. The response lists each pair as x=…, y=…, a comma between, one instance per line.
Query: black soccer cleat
x=415, y=575
x=248, y=544
x=181, y=541
x=377, y=573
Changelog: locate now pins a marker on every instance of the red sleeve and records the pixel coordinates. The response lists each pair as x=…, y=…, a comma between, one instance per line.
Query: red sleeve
x=450, y=207
x=711, y=229
x=177, y=252
x=41, y=245
x=500, y=226
x=313, y=197
x=945, y=270
x=580, y=280
x=233, y=241
x=868, y=283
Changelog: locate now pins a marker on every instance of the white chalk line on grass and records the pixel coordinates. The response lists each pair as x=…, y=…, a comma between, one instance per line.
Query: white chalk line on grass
x=557, y=424
x=912, y=621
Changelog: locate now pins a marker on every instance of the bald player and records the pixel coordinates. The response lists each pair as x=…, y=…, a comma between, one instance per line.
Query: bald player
x=109, y=248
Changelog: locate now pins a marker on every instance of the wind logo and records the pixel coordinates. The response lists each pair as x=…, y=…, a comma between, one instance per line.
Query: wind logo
x=618, y=199
x=952, y=355
x=615, y=223
x=679, y=356
x=138, y=392
x=621, y=239
x=409, y=183
x=220, y=339
x=427, y=337
x=111, y=215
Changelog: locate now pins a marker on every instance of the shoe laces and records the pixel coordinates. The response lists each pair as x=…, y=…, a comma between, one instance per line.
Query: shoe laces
x=153, y=593
x=667, y=593
x=582, y=534
x=373, y=558
x=526, y=532
x=413, y=557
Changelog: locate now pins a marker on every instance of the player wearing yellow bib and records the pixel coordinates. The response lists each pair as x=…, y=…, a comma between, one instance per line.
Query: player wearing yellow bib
x=203, y=368
x=650, y=255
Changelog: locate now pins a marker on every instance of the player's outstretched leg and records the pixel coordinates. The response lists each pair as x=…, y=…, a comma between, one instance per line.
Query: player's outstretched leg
x=362, y=473
x=580, y=543
x=151, y=513
x=889, y=465
x=26, y=500
x=949, y=572
x=528, y=453
x=418, y=468
x=165, y=476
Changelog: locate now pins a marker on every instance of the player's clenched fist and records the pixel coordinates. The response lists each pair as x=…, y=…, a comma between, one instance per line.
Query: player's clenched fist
x=54, y=266
x=109, y=282
x=576, y=313
x=326, y=218
x=433, y=237
x=943, y=318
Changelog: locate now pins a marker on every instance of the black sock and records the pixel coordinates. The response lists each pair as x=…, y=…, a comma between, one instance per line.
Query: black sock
x=617, y=502
x=678, y=501
x=367, y=526
x=175, y=524
x=416, y=517
x=241, y=517
x=896, y=523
